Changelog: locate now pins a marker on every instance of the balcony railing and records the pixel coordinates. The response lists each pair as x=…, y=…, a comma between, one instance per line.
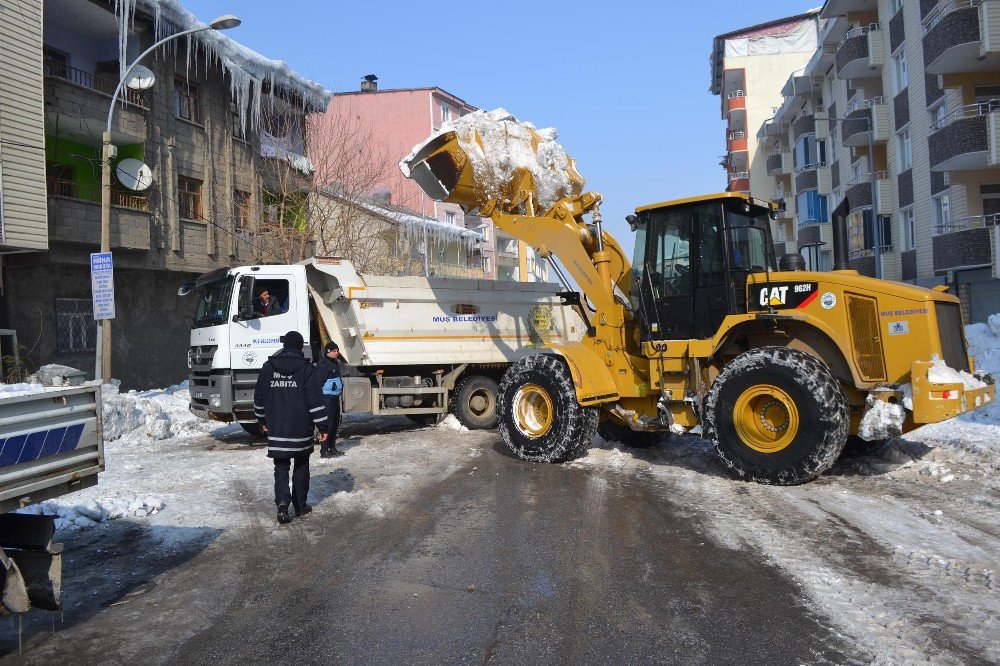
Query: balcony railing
x=737, y=135
x=858, y=32
x=865, y=178
x=739, y=175
x=943, y=8
x=966, y=223
x=967, y=111
x=735, y=94
x=870, y=252
x=92, y=81
x=859, y=104
x=67, y=188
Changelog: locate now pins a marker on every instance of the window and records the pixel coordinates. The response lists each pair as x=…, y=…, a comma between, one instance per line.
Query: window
x=189, y=197
x=902, y=78
x=941, y=207
x=56, y=62
x=241, y=209
x=445, y=113
x=60, y=179
x=904, y=150
x=449, y=217
x=186, y=100
x=76, y=330
x=810, y=208
x=937, y=115
x=990, y=193
x=270, y=297
x=907, y=230
x=809, y=152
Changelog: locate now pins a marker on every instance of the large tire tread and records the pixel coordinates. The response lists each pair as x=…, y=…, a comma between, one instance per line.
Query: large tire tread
x=825, y=416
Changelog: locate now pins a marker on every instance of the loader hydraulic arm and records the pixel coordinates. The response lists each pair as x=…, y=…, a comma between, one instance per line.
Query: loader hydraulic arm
x=455, y=167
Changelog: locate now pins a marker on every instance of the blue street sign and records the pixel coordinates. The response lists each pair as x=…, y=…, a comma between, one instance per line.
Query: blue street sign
x=102, y=282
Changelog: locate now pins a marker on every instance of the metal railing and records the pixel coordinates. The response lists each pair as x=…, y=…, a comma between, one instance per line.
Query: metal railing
x=736, y=93
x=967, y=111
x=737, y=135
x=92, y=81
x=943, y=8
x=858, y=32
x=739, y=175
x=966, y=223
x=870, y=251
x=859, y=104
x=58, y=187
x=809, y=167
x=865, y=178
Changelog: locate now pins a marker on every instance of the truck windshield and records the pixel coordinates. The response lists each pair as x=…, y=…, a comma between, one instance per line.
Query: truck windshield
x=213, y=303
x=749, y=239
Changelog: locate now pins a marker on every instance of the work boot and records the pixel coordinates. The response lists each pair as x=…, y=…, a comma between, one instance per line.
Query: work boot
x=302, y=510
x=283, y=516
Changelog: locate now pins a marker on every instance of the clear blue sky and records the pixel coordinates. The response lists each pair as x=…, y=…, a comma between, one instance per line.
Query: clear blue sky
x=625, y=83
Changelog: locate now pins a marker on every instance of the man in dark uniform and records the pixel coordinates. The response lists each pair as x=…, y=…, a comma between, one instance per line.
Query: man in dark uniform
x=288, y=403
x=328, y=371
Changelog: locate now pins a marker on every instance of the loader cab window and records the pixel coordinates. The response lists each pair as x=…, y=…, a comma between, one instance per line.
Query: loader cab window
x=213, y=303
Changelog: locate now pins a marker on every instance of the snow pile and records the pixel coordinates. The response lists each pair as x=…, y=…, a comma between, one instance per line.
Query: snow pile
x=141, y=416
x=22, y=388
x=76, y=515
x=498, y=145
x=940, y=373
x=451, y=423
x=882, y=420
x=984, y=344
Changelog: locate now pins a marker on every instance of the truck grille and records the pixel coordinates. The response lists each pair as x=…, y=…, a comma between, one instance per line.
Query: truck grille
x=201, y=357
x=952, y=335
x=863, y=315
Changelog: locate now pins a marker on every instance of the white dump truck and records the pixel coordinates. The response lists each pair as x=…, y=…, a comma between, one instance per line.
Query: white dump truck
x=414, y=346
x=50, y=444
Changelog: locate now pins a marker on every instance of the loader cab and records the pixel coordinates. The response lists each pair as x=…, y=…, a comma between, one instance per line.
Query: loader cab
x=692, y=259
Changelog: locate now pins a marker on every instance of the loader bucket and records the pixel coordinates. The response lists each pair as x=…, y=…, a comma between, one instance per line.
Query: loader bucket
x=509, y=168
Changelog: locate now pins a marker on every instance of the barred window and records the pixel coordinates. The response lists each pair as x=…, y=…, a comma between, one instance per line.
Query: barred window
x=76, y=330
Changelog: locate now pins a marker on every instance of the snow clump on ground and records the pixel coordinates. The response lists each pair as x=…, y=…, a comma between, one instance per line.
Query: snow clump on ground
x=451, y=423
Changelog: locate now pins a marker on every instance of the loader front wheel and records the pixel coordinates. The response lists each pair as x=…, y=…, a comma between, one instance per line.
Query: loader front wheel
x=777, y=416
x=540, y=418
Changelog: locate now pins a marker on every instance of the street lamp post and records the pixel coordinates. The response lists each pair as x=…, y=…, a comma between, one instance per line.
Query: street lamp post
x=108, y=152
x=876, y=226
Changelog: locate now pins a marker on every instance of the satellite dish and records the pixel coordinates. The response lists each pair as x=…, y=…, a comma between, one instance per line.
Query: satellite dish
x=140, y=78
x=134, y=174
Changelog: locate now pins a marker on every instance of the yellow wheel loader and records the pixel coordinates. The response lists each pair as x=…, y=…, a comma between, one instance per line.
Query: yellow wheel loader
x=778, y=365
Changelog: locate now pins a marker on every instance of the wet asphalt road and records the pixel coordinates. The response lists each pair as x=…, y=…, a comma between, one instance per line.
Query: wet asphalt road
x=502, y=562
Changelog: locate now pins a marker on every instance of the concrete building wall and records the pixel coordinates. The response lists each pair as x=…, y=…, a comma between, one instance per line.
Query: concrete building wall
x=22, y=160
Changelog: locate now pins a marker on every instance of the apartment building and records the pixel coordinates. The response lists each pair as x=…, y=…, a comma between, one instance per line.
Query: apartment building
x=397, y=120
x=900, y=103
x=749, y=67
x=226, y=183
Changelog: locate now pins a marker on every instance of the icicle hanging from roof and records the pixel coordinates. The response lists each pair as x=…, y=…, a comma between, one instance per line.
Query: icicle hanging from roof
x=248, y=71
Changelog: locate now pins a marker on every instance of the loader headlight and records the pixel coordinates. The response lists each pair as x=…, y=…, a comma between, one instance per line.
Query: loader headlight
x=215, y=400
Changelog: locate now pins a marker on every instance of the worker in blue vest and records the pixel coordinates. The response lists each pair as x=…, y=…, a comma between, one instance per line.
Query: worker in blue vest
x=288, y=403
x=329, y=377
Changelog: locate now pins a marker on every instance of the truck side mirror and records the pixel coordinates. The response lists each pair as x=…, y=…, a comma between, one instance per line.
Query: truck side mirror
x=186, y=289
x=244, y=304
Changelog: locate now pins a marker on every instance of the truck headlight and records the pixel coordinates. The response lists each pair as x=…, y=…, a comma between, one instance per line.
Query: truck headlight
x=215, y=400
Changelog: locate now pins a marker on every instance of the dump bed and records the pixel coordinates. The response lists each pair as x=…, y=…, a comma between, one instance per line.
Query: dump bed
x=385, y=320
x=50, y=444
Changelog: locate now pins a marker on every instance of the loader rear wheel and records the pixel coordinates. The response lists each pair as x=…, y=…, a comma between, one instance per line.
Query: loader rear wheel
x=474, y=402
x=777, y=416
x=540, y=418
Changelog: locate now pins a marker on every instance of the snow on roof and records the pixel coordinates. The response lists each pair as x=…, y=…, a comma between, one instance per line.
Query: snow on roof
x=249, y=72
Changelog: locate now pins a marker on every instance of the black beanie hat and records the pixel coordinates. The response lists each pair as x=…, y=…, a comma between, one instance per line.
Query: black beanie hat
x=293, y=340
x=330, y=346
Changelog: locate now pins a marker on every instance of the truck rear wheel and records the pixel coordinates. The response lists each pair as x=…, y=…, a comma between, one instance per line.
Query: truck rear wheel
x=777, y=416
x=474, y=402
x=540, y=419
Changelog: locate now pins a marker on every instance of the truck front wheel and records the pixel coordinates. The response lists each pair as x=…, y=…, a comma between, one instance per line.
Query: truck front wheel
x=540, y=419
x=777, y=416
x=474, y=402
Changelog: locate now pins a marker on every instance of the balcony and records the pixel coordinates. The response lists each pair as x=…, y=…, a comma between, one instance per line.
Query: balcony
x=966, y=138
x=861, y=53
x=736, y=101
x=75, y=217
x=962, y=36
x=806, y=177
x=855, y=129
x=834, y=8
x=76, y=103
x=955, y=246
x=779, y=163
x=858, y=192
x=739, y=181
x=786, y=205
x=967, y=223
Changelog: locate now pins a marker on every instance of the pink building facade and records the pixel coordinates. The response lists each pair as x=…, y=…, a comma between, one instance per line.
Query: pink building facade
x=398, y=120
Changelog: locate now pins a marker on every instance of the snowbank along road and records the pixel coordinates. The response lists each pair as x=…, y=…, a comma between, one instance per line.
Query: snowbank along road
x=432, y=545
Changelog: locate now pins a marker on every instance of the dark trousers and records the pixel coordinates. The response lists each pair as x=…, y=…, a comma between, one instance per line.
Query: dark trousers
x=300, y=480
x=333, y=420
